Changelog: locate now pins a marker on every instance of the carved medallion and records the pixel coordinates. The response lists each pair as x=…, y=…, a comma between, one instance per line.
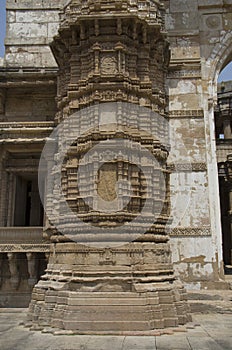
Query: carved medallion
x=213, y=21
x=108, y=65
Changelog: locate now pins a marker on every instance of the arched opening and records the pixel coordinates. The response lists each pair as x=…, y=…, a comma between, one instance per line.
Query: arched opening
x=223, y=134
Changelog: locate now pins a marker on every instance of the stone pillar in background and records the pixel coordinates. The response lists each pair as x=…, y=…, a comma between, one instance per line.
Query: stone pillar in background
x=111, y=52
x=230, y=216
x=11, y=199
x=35, y=213
x=32, y=263
x=227, y=127
x=1, y=268
x=14, y=272
x=229, y=181
x=2, y=103
x=4, y=178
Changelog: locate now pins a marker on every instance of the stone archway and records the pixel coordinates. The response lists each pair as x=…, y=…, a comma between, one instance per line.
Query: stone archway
x=220, y=57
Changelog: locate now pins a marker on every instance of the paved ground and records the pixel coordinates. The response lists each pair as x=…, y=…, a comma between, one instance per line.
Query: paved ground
x=213, y=333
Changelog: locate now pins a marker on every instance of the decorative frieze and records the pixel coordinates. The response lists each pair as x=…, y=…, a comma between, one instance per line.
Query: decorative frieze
x=27, y=125
x=187, y=167
x=192, y=114
x=184, y=70
x=23, y=248
x=189, y=231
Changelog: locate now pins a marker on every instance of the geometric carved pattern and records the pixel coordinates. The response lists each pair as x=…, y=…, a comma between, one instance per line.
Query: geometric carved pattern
x=190, y=231
x=187, y=167
x=20, y=248
x=188, y=72
x=190, y=113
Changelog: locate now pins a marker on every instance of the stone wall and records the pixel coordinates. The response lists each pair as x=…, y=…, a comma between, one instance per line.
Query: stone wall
x=31, y=26
x=200, y=38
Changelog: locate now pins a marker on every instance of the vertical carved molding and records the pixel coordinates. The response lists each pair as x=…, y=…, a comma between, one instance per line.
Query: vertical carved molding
x=96, y=49
x=49, y=201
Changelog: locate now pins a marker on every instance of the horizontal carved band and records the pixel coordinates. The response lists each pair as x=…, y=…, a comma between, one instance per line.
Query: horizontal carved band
x=184, y=74
x=21, y=248
x=190, y=231
x=20, y=125
x=187, y=167
x=191, y=113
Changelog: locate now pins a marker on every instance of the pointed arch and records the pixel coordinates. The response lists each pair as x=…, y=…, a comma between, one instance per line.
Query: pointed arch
x=221, y=55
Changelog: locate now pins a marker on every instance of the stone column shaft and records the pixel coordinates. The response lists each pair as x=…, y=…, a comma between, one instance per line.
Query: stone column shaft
x=227, y=129
x=32, y=263
x=14, y=271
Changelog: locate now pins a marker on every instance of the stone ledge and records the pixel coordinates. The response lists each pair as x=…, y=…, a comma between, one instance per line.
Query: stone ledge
x=22, y=248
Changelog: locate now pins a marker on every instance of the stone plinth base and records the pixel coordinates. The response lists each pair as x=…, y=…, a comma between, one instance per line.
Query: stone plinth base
x=131, y=288
x=109, y=312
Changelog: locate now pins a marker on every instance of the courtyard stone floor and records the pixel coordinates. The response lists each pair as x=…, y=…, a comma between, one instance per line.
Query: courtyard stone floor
x=211, y=332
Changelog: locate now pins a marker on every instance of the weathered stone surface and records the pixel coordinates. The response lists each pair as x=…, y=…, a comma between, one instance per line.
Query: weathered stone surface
x=129, y=288
x=200, y=43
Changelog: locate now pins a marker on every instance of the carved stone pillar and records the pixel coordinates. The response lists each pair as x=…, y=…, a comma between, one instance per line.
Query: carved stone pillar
x=47, y=255
x=2, y=102
x=11, y=199
x=14, y=271
x=32, y=263
x=4, y=176
x=228, y=167
x=128, y=286
x=35, y=213
x=230, y=215
x=1, y=268
x=227, y=128
x=45, y=186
